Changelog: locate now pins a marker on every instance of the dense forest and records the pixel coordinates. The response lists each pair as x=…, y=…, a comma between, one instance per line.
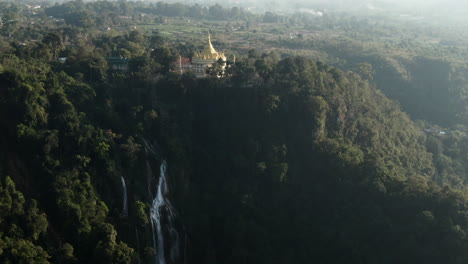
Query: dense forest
x=353, y=156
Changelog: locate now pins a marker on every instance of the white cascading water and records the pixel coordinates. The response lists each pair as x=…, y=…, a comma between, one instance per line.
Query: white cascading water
x=125, y=200
x=160, y=208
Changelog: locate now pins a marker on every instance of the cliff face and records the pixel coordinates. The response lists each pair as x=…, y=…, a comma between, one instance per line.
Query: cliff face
x=286, y=161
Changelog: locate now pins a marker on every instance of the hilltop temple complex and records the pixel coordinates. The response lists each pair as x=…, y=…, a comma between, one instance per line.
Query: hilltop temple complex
x=202, y=60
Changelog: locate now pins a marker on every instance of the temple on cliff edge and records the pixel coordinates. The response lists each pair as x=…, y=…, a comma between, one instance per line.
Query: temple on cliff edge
x=202, y=60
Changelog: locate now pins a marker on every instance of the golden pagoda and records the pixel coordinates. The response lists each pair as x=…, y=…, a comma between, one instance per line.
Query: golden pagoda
x=202, y=60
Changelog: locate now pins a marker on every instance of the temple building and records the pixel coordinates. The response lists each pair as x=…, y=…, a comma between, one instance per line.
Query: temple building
x=118, y=63
x=202, y=60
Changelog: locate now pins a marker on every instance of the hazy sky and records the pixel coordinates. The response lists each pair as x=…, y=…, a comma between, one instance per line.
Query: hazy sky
x=420, y=7
x=413, y=3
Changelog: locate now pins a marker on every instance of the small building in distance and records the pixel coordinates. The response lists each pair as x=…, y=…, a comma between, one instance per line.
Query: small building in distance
x=182, y=65
x=118, y=63
x=205, y=59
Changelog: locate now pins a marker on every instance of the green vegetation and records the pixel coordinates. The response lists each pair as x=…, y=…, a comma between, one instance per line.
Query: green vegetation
x=286, y=159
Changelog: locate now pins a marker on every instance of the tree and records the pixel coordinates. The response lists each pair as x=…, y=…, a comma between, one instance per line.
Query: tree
x=80, y=19
x=54, y=42
x=164, y=57
x=136, y=36
x=216, y=11
x=10, y=23
x=365, y=70
x=21, y=225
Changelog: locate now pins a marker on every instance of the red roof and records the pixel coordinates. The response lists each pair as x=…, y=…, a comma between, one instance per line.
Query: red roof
x=185, y=61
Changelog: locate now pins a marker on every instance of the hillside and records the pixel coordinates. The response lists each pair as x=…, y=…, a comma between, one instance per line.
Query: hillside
x=287, y=160
x=282, y=159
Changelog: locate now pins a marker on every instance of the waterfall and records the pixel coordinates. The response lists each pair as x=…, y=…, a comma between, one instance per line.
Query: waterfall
x=125, y=200
x=162, y=213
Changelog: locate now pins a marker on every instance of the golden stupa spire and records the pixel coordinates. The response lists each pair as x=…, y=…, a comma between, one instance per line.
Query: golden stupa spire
x=209, y=52
x=210, y=49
